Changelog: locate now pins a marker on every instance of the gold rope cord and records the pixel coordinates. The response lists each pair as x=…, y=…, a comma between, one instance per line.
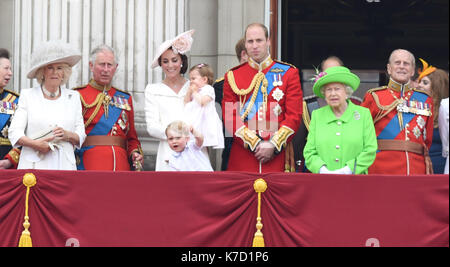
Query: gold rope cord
x=29, y=180
x=387, y=109
x=98, y=101
x=260, y=187
x=255, y=84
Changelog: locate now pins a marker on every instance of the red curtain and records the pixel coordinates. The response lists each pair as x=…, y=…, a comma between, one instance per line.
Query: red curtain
x=220, y=209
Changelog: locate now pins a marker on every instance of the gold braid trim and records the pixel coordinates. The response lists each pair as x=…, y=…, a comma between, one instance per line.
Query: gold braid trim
x=256, y=82
x=279, y=140
x=98, y=101
x=305, y=115
x=249, y=138
x=254, y=86
x=383, y=110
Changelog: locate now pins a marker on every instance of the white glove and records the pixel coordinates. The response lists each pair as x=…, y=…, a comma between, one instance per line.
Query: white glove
x=324, y=170
x=345, y=170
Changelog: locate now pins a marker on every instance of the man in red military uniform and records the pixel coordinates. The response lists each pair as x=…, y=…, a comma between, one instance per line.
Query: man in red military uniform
x=403, y=120
x=262, y=107
x=111, y=142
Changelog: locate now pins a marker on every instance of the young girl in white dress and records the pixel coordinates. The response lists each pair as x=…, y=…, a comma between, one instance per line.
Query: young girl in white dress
x=186, y=153
x=200, y=110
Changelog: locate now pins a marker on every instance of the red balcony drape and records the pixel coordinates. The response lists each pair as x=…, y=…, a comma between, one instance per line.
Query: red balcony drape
x=219, y=209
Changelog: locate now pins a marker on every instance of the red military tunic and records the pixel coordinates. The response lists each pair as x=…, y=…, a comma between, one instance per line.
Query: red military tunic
x=413, y=124
x=276, y=97
x=107, y=157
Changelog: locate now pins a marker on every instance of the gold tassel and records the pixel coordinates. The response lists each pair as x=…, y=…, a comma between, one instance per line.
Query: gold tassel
x=260, y=186
x=29, y=180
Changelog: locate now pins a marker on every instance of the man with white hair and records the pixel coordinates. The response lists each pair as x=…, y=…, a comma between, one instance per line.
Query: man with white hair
x=403, y=120
x=112, y=142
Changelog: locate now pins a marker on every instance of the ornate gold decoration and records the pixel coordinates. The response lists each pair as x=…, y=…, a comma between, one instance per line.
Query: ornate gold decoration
x=29, y=180
x=258, y=79
x=260, y=187
x=280, y=138
x=15, y=154
x=248, y=137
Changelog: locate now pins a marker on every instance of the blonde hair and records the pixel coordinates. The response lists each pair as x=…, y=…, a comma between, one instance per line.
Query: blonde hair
x=205, y=71
x=179, y=127
x=67, y=73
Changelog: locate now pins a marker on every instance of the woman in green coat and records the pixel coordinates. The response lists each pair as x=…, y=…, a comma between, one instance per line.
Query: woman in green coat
x=342, y=138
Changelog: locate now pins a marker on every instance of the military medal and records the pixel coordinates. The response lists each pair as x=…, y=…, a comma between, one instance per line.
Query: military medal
x=122, y=124
x=278, y=94
x=277, y=80
x=7, y=107
x=421, y=122
x=277, y=110
x=124, y=117
x=280, y=82
x=417, y=132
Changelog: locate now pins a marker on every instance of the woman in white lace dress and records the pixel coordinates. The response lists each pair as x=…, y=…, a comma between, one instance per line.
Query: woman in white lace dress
x=164, y=101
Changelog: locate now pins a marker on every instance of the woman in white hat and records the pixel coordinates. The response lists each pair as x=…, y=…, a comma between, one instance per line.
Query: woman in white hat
x=48, y=123
x=164, y=101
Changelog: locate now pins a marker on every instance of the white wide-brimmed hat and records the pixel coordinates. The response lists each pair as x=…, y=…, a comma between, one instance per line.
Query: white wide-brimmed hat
x=52, y=52
x=180, y=45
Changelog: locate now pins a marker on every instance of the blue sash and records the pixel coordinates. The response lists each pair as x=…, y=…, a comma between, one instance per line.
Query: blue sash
x=392, y=130
x=4, y=118
x=103, y=127
x=259, y=98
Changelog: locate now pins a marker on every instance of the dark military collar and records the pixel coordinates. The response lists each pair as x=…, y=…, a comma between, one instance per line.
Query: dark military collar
x=398, y=86
x=99, y=87
x=260, y=66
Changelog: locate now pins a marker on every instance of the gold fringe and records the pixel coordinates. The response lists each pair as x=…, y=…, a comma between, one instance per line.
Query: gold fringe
x=29, y=180
x=260, y=186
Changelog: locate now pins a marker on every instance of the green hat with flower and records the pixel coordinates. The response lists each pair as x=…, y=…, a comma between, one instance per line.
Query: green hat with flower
x=337, y=74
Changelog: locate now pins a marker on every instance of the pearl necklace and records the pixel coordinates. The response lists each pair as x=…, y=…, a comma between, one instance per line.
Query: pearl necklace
x=50, y=94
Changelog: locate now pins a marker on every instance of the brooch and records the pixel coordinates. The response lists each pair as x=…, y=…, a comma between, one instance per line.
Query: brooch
x=357, y=116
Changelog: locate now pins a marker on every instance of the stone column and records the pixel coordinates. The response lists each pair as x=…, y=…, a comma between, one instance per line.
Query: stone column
x=219, y=25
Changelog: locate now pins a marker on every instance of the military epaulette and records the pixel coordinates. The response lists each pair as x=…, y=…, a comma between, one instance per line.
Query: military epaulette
x=122, y=91
x=376, y=89
x=80, y=87
x=422, y=91
x=12, y=92
x=237, y=67
x=285, y=63
x=220, y=80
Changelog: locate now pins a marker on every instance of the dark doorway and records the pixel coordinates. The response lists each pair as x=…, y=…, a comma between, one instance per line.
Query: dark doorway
x=364, y=32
